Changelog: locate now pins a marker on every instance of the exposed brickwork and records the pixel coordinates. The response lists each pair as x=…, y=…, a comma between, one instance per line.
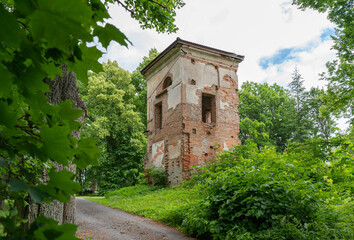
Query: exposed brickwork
x=188, y=138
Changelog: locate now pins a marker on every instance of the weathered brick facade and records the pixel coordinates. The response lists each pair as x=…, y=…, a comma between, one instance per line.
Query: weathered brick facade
x=191, y=106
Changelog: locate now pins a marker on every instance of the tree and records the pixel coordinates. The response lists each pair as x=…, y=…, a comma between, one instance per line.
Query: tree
x=270, y=105
x=301, y=121
x=139, y=81
x=254, y=131
x=340, y=75
x=323, y=124
x=36, y=39
x=114, y=120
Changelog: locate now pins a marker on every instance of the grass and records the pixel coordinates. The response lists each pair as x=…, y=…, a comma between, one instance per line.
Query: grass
x=166, y=205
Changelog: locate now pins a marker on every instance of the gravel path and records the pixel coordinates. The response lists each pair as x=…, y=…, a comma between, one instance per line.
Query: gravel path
x=101, y=222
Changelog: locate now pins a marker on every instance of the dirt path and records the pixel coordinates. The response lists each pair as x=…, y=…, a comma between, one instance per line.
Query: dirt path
x=101, y=222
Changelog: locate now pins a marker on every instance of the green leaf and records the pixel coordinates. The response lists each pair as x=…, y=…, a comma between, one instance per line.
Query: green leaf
x=32, y=78
x=61, y=185
x=37, y=195
x=53, y=30
x=56, y=21
x=52, y=70
x=25, y=7
x=100, y=10
x=88, y=153
x=56, y=144
x=89, y=62
x=69, y=114
x=50, y=230
x=108, y=33
x=17, y=185
x=8, y=115
x=10, y=31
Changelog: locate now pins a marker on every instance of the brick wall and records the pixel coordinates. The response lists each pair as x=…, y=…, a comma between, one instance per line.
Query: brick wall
x=188, y=141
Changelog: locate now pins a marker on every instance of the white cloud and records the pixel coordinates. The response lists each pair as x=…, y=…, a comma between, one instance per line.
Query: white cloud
x=254, y=28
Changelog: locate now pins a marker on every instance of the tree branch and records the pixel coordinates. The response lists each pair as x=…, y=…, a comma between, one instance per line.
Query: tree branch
x=126, y=8
x=152, y=1
x=164, y=7
x=30, y=132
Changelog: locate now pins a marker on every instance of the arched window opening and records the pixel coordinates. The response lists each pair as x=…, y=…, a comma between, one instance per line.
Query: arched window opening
x=167, y=82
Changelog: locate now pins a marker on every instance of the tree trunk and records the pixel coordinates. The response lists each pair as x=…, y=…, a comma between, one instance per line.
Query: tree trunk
x=61, y=89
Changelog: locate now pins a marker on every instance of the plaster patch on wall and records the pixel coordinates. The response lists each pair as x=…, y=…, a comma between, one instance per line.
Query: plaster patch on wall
x=210, y=75
x=198, y=151
x=191, y=95
x=222, y=73
x=174, y=151
x=176, y=71
x=174, y=97
x=158, y=150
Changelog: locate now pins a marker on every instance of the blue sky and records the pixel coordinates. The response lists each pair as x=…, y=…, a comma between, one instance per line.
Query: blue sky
x=292, y=54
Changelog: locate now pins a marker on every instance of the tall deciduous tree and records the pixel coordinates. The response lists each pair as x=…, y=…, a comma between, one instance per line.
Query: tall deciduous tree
x=270, y=105
x=323, y=124
x=36, y=38
x=340, y=75
x=114, y=120
x=139, y=81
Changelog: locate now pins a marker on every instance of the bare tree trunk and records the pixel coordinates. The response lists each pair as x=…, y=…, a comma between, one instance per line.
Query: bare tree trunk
x=61, y=89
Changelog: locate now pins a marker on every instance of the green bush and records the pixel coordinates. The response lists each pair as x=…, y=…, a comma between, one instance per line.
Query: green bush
x=156, y=176
x=247, y=193
x=252, y=194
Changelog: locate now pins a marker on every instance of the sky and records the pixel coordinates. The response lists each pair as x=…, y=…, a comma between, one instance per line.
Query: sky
x=273, y=35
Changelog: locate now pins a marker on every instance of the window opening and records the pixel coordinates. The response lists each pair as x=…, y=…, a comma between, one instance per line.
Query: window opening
x=208, y=108
x=158, y=115
x=167, y=82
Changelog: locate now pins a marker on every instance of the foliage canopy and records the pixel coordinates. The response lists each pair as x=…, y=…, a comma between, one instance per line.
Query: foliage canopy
x=114, y=120
x=36, y=39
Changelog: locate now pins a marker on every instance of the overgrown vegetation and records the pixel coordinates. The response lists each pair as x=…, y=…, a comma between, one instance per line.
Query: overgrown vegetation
x=166, y=205
x=290, y=180
x=156, y=176
x=116, y=103
x=115, y=122
x=254, y=194
x=247, y=193
x=293, y=176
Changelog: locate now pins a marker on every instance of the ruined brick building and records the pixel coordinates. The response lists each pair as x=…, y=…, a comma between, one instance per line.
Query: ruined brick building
x=192, y=101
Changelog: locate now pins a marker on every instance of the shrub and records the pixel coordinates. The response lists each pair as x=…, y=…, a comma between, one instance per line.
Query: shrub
x=253, y=194
x=156, y=176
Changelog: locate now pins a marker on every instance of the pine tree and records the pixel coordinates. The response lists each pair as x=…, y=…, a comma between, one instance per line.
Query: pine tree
x=302, y=124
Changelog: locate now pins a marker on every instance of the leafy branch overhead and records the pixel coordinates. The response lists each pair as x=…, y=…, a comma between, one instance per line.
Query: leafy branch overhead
x=157, y=14
x=39, y=41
